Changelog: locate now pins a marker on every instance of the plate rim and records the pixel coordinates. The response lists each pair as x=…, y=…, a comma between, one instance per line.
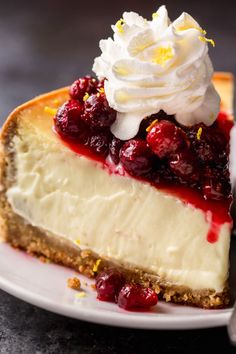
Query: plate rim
x=116, y=319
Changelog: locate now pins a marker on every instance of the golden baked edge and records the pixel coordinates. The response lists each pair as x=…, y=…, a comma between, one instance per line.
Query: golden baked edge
x=15, y=230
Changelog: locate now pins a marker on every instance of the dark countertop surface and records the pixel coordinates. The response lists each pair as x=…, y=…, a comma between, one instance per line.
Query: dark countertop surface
x=28, y=329
x=45, y=45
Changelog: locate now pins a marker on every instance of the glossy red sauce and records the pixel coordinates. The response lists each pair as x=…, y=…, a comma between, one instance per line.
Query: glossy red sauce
x=217, y=213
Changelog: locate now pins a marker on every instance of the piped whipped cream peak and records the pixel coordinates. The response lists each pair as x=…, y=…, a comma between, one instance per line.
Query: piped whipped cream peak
x=154, y=65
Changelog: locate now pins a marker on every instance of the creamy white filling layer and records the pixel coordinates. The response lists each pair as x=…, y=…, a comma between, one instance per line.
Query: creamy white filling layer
x=117, y=217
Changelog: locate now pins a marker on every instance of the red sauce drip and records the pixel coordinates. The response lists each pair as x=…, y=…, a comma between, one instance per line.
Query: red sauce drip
x=217, y=212
x=213, y=233
x=81, y=149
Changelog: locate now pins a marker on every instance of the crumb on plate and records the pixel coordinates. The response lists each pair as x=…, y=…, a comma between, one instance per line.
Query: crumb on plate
x=74, y=283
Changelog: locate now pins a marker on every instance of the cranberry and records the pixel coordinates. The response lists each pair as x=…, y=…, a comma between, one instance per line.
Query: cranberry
x=209, y=145
x=99, y=143
x=82, y=86
x=161, y=115
x=165, y=138
x=164, y=174
x=108, y=285
x=68, y=120
x=184, y=165
x=213, y=190
x=115, y=146
x=97, y=112
x=134, y=296
x=136, y=157
x=216, y=184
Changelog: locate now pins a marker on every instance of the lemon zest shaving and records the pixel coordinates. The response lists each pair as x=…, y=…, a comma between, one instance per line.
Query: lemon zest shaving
x=187, y=27
x=86, y=96
x=50, y=110
x=199, y=133
x=122, y=97
x=163, y=54
x=142, y=47
x=155, y=15
x=80, y=295
x=101, y=90
x=96, y=265
x=151, y=125
x=77, y=242
x=207, y=40
x=121, y=71
x=119, y=25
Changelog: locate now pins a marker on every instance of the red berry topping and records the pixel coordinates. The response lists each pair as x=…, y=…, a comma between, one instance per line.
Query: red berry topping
x=213, y=190
x=145, y=124
x=68, y=119
x=209, y=143
x=162, y=152
x=216, y=184
x=165, y=138
x=134, y=296
x=97, y=112
x=184, y=165
x=99, y=143
x=82, y=86
x=136, y=157
x=163, y=173
x=115, y=146
x=108, y=285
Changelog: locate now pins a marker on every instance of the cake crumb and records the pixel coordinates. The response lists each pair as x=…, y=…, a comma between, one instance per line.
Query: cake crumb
x=85, y=254
x=74, y=283
x=44, y=259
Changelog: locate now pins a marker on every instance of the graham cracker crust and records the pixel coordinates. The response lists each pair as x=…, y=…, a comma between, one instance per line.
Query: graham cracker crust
x=15, y=230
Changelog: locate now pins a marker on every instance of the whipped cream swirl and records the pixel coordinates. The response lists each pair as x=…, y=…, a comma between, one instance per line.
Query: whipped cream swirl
x=154, y=65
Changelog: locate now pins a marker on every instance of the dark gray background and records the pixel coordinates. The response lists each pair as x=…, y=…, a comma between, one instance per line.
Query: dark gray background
x=45, y=45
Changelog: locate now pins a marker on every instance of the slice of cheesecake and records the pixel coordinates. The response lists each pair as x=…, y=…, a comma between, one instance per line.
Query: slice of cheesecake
x=70, y=205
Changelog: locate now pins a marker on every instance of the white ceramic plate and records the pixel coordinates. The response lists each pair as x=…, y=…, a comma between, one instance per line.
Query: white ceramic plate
x=45, y=285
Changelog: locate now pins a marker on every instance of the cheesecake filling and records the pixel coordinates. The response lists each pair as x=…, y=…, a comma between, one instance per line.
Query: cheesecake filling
x=117, y=217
